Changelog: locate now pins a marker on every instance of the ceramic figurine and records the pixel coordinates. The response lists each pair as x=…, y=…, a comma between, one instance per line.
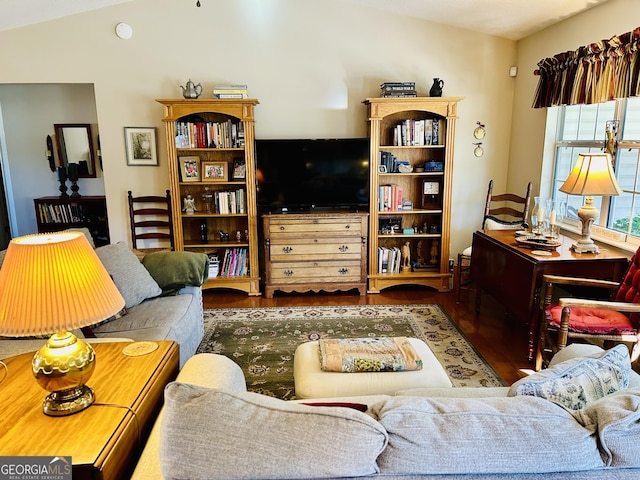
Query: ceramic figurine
x=189, y=204
x=436, y=88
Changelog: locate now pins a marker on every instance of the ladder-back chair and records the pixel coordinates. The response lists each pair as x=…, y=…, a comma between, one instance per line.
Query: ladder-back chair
x=151, y=219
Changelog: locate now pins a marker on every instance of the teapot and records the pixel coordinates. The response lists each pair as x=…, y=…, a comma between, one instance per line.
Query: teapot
x=191, y=90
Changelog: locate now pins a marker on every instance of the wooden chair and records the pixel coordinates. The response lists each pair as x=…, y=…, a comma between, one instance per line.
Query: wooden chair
x=506, y=211
x=605, y=322
x=151, y=218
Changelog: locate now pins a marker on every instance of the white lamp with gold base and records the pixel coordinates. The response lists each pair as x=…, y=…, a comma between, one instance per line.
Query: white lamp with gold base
x=50, y=284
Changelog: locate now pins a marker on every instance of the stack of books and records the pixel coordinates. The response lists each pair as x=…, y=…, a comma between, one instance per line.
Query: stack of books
x=230, y=91
x=398, y=89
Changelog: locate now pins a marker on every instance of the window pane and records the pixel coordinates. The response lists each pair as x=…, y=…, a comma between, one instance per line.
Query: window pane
x=586, y=122
x=624, y=208
x=631, y=125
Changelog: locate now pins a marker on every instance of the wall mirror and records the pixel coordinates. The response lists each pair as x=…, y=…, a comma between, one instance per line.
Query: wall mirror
x=76, y=146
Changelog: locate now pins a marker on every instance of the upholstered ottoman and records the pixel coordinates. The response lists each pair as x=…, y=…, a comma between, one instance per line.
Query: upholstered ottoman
x=313, y=382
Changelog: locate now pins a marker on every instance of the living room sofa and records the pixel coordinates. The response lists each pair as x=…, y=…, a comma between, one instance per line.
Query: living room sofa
x=211, y=427
x=163, y=300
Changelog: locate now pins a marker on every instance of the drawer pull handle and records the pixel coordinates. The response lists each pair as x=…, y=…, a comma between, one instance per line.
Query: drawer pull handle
x=281, y=227
x=288, y=273
x=347, y=226
x=343, y=271
x=287, y=249
x=343, y=248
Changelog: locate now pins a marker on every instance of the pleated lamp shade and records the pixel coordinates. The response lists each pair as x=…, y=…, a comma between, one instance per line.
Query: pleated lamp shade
x=54, y=282
x=592, y=175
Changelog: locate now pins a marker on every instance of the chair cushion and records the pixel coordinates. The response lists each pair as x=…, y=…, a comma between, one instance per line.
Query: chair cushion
x=592, y=320
x=629, y=290
x=493, y=223
x=574, y=383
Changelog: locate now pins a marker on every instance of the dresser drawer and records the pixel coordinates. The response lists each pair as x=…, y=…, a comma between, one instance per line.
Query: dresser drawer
x=319, y=227
x=315, y=249
x=317, y=272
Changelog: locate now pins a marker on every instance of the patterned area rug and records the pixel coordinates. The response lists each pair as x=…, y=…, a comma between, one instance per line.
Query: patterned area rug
x=263, y=340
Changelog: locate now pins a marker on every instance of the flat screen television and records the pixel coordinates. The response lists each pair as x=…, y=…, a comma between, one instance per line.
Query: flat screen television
x=312, y=174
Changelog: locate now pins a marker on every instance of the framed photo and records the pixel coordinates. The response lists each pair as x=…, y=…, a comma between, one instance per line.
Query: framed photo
x=382, y=169
x=189, y=169
x=214, y=171
x=141, y=146
x=239, y=169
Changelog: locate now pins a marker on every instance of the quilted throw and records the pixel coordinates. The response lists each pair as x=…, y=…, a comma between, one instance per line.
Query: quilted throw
x=387, y=354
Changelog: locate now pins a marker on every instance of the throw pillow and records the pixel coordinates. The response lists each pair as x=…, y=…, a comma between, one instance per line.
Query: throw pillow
x=175, y=270
x=576, y=382
x=457, y=436
x=133, y=280
x=207, y=433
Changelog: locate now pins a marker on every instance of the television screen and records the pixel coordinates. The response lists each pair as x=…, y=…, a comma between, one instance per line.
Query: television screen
x=312, y=174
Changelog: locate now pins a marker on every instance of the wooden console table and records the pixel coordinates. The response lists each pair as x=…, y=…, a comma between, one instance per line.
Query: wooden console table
x=105, y=440
x=513, y=275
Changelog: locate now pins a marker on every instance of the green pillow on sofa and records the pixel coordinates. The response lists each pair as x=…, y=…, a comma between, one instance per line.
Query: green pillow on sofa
x=175, y=270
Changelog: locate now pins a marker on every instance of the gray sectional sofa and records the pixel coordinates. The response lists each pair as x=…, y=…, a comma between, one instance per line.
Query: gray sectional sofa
x=579, y=419
x=163, y=300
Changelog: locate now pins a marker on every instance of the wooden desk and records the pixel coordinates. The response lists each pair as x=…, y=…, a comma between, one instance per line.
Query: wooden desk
x=513, y=275
x=106, y=439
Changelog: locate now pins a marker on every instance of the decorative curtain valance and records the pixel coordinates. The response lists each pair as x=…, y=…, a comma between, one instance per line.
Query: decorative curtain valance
x=595, y=73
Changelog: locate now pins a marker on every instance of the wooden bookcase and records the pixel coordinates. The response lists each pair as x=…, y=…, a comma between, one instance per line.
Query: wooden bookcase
x=54, y=214
x=397, y=127
x=214, y=135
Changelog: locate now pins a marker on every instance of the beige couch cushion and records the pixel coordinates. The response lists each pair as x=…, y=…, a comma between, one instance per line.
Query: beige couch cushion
x=208, y=433
x=482, y=435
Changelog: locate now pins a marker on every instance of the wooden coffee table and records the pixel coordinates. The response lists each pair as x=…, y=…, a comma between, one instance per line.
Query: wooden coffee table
x=106, y=439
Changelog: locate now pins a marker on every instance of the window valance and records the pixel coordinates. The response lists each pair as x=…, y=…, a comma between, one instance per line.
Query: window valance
x=595, y=73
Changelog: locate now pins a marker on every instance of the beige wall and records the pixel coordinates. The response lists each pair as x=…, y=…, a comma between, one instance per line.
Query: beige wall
x=309, y=63
x=527, y=134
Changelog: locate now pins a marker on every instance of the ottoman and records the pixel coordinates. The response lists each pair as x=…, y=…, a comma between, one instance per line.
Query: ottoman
x=312, y=382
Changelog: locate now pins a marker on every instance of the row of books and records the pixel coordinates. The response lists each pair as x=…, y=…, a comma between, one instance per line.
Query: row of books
x=389, y=260
x=59, y=213
x=398, y=89
x=230, y=91
x=230, y=201
x=389, y=198
x=234, y=262
x=209, y=134
x=391, y=162
x=417, y=132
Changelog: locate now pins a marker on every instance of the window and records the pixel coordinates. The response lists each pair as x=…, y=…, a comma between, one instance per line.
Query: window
x=582, y=129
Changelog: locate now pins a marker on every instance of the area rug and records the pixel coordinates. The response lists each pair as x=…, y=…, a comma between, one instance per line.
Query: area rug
x=263, y=340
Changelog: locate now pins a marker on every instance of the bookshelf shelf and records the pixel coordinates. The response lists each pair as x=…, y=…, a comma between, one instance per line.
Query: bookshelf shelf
x=192, y=127
x=415, y=132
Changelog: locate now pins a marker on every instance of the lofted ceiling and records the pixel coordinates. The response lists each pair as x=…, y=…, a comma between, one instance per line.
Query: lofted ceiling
x=512, y=19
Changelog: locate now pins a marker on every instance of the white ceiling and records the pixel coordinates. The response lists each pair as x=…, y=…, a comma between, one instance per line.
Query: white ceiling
x=513, y=19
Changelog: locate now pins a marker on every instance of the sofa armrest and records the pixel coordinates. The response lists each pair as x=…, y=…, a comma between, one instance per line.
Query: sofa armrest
x=213, y=371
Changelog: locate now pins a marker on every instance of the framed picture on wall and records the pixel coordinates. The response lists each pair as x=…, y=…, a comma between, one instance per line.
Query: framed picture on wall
x=141, y=146
x=189, y=169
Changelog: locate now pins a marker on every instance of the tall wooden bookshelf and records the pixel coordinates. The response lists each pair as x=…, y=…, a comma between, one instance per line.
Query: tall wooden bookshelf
x=410, y=196
x=213, y=136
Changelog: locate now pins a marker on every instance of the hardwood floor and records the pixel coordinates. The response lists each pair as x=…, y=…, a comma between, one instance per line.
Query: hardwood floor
x=502, y=343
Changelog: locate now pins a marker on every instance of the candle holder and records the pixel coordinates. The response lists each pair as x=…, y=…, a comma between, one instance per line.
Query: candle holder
x=73, y=172
x=553, y=216
x=62, y=178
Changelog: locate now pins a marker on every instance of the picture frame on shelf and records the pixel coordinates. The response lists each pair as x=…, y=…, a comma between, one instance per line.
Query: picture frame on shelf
x=189, y=169
x=141, y=146
x=239, y=169
x=214, y=171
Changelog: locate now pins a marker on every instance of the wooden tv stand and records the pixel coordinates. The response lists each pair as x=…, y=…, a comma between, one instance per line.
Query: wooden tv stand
x=315, y=251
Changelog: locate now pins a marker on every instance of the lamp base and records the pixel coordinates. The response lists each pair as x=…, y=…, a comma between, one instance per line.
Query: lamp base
x=66, y=402
x=585, y=247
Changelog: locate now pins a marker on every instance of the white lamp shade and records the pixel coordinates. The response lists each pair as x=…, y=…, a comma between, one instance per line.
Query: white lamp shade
x=52, y=283
x=592, y=175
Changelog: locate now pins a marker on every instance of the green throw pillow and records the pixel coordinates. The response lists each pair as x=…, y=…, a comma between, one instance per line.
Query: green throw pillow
x=576, y=382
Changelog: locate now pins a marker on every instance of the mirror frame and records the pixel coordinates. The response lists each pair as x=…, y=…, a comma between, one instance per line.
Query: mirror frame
x=62, y=153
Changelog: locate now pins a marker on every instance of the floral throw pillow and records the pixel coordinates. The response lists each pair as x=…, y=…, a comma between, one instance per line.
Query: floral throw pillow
x=576, y=382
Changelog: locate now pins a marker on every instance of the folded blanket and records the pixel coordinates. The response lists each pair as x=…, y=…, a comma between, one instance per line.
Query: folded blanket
x=386, y=354
x=175, y=270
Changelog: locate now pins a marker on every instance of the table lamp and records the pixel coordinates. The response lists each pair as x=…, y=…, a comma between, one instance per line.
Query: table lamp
x=592, y=175
x=50, y=284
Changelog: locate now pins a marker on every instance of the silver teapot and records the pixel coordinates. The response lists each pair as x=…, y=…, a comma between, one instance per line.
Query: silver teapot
x=191, y=90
